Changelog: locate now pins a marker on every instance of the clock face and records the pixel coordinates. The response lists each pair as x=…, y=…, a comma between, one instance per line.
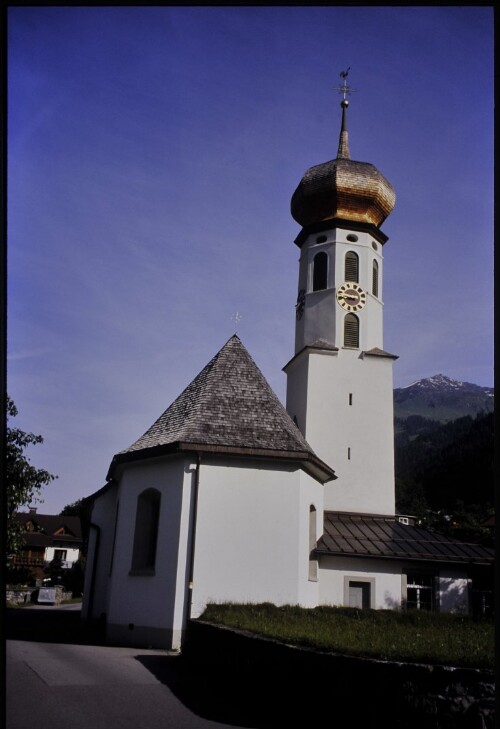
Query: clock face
x=351, y=296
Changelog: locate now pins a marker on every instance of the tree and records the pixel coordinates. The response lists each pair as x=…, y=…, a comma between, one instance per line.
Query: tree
x=24, y=482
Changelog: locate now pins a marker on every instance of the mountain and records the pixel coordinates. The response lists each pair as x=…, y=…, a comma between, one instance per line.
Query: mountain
x=441, y=399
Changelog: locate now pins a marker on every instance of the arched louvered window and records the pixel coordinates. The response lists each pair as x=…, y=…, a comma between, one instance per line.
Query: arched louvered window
x=351, y=267
x=146, y=530
x=351, y=331
x=320, y=271
x=375, y=278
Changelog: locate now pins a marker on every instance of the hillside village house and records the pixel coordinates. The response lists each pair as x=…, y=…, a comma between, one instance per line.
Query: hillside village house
x=231, y=497
x=48, y=537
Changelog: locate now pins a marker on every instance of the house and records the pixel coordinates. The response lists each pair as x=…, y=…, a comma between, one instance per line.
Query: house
x=229, y=496
x=48, y=537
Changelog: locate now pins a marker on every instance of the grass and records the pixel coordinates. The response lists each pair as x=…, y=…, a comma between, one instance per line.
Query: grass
x=407, y=636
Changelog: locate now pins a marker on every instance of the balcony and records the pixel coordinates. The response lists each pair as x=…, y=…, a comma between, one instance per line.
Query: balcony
x=21, y=560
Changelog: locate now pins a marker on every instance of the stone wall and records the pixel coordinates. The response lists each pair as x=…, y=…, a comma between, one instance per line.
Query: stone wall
x=301, y=686
x=24, y=595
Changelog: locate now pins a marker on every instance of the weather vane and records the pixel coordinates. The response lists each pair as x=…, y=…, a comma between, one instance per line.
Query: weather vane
x=345, y=89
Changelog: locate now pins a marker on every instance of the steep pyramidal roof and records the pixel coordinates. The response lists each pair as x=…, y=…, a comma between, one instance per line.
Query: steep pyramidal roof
x=228, y=408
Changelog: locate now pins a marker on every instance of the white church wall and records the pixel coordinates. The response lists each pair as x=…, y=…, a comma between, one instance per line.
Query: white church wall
x=350, y=426
x=149, y=608
x=96, y=587
x=249, y=518
x=310, y=530
x=384, y=578
x=296, y=390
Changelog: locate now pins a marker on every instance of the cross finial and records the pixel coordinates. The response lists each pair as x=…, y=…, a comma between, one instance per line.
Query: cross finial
x=236, y=318
x=345, y=90
x=343, y=150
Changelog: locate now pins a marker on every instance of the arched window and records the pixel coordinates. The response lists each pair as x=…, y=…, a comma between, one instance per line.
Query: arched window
x=375, y=278
x=351, y=268
x=320, y=271
x=313, y=562
x=146, y=530
x=351, y=331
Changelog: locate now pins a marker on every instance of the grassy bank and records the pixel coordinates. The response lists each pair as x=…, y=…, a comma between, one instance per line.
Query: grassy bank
x=414, y=636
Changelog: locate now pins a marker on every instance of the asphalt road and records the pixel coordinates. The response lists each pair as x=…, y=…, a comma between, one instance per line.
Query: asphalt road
x=56, y=675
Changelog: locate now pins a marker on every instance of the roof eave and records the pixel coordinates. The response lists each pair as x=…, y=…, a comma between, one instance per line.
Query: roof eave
x=308, y=461
x=406, y=558
x=330, y=223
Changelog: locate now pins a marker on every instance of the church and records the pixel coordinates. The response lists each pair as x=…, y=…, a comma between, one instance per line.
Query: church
x=231, y=497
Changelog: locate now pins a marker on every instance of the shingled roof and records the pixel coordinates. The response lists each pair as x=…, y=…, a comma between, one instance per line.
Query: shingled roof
x=367, y=535
x=49, y=529
x=228, y=408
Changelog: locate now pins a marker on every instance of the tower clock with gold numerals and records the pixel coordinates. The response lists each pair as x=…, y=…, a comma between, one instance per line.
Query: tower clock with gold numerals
x=351, y=296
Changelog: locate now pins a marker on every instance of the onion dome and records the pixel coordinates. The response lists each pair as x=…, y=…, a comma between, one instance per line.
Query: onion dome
x=343, y=189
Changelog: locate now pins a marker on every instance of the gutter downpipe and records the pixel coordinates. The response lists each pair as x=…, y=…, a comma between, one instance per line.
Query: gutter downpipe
x=194, y=517
x=94, y=569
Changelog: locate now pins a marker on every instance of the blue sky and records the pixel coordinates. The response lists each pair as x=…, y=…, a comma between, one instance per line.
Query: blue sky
x=152, y=155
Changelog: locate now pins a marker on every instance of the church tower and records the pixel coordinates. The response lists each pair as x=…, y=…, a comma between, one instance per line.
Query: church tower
x=339, y=383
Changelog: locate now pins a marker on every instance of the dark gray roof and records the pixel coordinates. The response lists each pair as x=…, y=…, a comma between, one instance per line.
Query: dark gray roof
x=43, y=528
x=320, y=345
x=368, y=535
x=377, y=352
x=228, y=408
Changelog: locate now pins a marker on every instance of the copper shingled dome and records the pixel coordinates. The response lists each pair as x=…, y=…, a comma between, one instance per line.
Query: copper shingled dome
x=343, y=189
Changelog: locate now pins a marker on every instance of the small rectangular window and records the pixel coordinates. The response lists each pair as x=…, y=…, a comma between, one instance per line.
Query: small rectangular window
x=359, y=594
x=348, y=454
x=350, y=398
x=420, y=591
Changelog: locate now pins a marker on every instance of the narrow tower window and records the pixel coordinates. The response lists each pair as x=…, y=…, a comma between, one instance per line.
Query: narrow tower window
x=350, y=398
x=351, y=267
x=320, y=270
x=146, y=530
x=351, y=331
x=375, y=278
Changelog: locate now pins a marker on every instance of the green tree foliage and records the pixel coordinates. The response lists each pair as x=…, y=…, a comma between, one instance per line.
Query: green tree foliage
x=24, y=482
x=444, y=475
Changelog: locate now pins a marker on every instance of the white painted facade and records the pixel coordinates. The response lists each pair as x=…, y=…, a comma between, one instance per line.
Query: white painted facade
x=249, y=516
x=252, y=534
x=99, y=554
x=323, y=318
x=385, y=580
x=70, y=555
